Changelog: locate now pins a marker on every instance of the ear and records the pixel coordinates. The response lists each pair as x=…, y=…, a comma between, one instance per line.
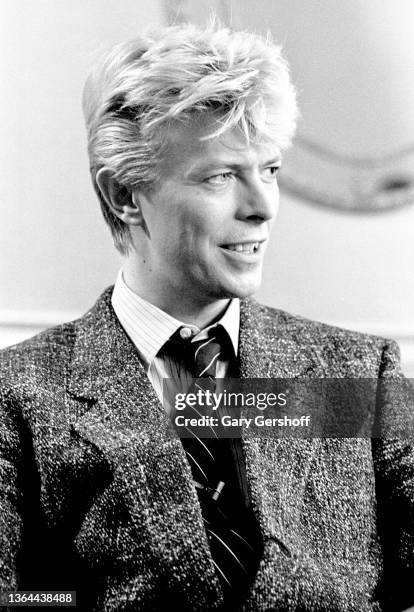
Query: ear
x=122, y=203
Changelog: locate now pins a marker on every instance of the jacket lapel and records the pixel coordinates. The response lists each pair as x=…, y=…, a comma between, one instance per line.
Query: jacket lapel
x=151, y=476
x=277, y=469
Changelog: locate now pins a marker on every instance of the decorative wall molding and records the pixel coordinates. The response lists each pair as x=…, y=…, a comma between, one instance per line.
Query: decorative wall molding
x=364, y=185
x=43, y=319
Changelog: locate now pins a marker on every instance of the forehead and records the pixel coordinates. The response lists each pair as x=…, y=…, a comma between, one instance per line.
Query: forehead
x=188, y=149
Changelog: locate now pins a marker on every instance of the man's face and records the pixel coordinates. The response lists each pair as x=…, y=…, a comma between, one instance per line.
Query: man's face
x=208, y=218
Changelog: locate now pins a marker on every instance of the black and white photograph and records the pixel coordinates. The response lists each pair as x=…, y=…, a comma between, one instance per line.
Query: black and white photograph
x=207, y=305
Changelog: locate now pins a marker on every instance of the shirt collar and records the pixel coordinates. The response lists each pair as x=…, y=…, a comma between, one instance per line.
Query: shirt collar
x=149, y=327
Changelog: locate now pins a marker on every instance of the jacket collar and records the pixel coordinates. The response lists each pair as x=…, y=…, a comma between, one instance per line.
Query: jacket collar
x=102, y=353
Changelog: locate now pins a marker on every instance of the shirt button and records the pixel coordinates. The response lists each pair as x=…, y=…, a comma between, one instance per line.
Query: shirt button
x=185, y=333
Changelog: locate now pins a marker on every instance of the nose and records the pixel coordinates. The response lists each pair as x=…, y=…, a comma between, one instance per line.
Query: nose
x=258, y=200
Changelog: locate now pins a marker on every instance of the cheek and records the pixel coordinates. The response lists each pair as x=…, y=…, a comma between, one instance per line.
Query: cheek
x=194, y=232
x=179, y=245
x=190, y=229
x=194, y=251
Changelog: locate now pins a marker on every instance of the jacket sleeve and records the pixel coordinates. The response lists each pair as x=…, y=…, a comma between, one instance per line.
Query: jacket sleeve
x=394, y=468
x=11, y=493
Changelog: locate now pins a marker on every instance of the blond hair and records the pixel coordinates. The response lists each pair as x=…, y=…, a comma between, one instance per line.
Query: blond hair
x=173, y=75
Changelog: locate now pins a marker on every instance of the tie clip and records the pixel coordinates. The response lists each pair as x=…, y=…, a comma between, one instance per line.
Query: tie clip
x=218, y=490
x=213, y=492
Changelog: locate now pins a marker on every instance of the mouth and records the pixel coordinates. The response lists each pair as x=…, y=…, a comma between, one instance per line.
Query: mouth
x=248, y=248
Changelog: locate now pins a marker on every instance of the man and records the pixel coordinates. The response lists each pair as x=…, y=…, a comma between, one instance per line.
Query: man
x=185, y=133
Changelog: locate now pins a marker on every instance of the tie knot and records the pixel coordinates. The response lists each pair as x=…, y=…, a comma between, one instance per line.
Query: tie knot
x=201, y=356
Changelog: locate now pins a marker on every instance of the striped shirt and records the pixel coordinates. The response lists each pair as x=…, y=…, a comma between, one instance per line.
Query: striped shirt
x=149, y=328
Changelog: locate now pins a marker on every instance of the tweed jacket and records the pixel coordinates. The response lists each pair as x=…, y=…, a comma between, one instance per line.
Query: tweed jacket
x=96, y=497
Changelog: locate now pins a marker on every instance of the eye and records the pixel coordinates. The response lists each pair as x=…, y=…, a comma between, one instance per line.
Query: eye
x=219, y=179
x=270, y=173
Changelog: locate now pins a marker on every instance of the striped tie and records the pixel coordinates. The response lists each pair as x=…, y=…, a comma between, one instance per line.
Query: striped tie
x=232, y=538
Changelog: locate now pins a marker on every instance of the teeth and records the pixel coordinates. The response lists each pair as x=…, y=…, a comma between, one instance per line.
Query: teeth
x=250, y=247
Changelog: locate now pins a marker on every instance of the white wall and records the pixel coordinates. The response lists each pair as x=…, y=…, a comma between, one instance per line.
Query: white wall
x=55, y=252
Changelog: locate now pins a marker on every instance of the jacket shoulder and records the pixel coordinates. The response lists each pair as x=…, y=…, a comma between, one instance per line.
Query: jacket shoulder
x=44, y=356
x=364, y=354
x=48, y=354
x=298, y=324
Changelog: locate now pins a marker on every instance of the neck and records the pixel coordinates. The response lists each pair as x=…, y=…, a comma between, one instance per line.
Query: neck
x=202, y=316
x=180, y=306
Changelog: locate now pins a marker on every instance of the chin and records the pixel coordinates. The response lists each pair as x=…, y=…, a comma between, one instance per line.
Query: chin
x=241, y=289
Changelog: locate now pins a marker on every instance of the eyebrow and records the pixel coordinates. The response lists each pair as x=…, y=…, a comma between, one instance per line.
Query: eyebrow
x=227, y=163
